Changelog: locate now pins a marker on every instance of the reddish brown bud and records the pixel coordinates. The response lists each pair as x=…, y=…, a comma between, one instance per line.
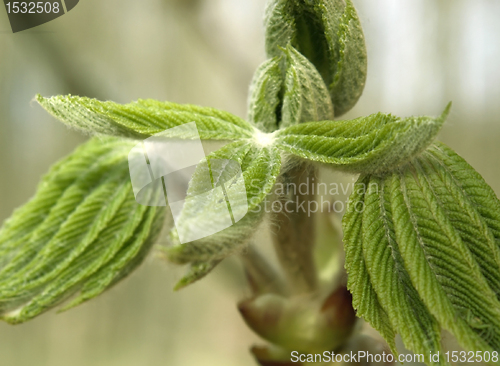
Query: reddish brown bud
x=299, y=323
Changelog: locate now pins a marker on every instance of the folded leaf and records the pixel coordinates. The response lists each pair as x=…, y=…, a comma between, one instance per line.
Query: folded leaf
x=418, y=328
x=329, y=34
x=431, y=254
x=260, y=167
x=377, y=143
x=264, y=95
x=143, y=118
x=80, y=232
x=351, y=69
x=306, y=97
x=280, y=24
x=365, y=299
x=471, y=204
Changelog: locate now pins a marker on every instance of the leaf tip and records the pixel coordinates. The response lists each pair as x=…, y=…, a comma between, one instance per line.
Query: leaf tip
x=446, y=111
x=180, y=285
x=40, y=99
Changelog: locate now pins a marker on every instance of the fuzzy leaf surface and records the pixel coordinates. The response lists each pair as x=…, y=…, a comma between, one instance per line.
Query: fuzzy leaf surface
x=143, y=118
x=365, y=299
x=418, y=328
x=306, y=97
x=329, y=34
x=265, y=95
x=80, y=233
x=431, y=254
x=350, y=72
x=377, y=143
x=260, y=167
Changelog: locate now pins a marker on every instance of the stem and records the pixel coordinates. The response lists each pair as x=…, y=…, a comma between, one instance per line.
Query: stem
x=294, y=238
x=261, y=275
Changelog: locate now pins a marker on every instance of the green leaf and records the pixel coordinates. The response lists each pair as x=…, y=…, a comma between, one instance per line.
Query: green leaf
x=264, y=95
x=418, y=328
x=431, y=254
x=197, y=271
x=306, y=97
x=440, y=264
x=329, y=34
x=280, y=25
x=351, y=69
x=365, y=299
x=260, y=165
x=82, y=232
x=472, y=206
x=143, y=118
x=377, y=143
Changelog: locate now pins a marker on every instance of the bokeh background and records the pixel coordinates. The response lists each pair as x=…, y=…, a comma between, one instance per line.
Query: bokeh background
x=422, y=54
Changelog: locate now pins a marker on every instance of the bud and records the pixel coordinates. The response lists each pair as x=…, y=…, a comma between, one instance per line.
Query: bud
x=329, y=34
x=301, y=324
x=265, y=95
x=288, y=90
x=306, y=97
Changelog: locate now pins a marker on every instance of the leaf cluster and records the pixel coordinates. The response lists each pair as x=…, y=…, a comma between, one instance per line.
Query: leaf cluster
x=423, y=253
x=422, y=231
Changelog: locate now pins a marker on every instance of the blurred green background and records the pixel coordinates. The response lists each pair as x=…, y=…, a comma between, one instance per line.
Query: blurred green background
x=422, y=54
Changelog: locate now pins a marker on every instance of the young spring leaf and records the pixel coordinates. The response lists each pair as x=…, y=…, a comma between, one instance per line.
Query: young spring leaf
x=280, y=25
x=428, y=239
x=350, y=72
x=377, y=143
x=197, y=271
x=306, y=97
x=329, y=34
x=472, y=205
x=365, y=299
x=82, y=232
x=264, y=98
x=260, y=165
x=143, y=118
x=418, y=328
